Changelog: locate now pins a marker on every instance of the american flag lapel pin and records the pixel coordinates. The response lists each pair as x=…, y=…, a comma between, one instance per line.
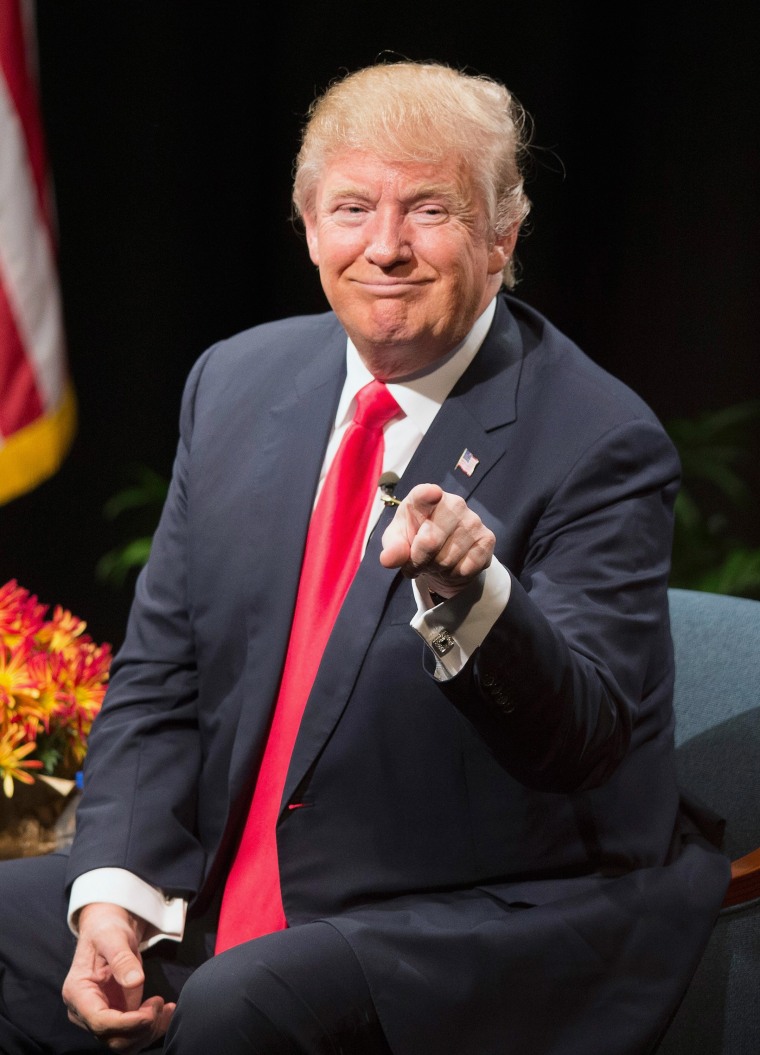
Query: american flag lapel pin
x=467, y=462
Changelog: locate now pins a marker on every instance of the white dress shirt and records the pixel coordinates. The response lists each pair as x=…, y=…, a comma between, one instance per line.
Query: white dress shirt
x=466, y=618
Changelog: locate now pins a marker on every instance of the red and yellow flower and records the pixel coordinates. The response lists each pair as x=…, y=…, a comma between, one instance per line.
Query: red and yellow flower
x=52, y=682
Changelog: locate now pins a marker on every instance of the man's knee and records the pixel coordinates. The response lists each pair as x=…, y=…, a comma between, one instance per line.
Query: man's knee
x=224, y=1010
x=297, y=992
x=34, y=958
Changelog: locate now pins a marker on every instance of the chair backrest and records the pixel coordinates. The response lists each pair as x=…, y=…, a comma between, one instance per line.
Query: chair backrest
x=717, y=704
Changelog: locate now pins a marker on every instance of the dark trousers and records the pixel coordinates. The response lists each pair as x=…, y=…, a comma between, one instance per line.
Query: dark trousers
x=297, y=992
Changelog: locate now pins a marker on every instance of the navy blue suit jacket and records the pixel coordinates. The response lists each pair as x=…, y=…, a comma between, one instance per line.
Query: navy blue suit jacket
x=504, y=852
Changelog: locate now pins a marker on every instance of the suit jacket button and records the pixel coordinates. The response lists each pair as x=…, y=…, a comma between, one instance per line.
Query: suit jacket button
x=503, y=701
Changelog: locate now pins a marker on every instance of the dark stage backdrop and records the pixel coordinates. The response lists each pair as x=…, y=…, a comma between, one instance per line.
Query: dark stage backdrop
x=171, y=129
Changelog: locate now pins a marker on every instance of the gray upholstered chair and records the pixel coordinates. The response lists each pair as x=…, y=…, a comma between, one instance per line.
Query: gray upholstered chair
x=717, y=702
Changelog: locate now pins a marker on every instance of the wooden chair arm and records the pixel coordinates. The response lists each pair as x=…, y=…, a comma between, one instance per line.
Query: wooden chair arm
x=745, y=880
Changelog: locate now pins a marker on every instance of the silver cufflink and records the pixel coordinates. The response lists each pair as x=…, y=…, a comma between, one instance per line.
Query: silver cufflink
x=443, y=642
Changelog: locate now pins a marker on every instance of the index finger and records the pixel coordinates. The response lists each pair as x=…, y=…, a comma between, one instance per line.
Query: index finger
x=105, y=1022
x=413, y=511
x=421, y=501
x=125, y=1030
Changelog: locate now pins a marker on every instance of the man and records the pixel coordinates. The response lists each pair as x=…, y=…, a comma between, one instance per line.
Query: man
x=467, y=844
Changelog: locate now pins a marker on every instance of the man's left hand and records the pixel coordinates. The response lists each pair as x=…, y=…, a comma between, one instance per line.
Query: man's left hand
x=435, y=537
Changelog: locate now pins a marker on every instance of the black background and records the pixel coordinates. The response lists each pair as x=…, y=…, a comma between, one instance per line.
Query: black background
x=171, y=129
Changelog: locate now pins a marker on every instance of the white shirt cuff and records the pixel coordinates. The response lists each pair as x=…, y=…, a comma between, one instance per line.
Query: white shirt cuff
x=165, y=916
x=455, y=628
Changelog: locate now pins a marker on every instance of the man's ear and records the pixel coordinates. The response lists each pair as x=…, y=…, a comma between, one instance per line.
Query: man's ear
x=502, y=250
x=312, y=238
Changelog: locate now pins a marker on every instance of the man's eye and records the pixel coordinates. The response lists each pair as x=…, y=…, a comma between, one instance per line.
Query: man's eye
x=430, y=213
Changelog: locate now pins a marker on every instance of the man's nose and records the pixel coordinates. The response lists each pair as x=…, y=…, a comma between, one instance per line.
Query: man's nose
x=388, y=242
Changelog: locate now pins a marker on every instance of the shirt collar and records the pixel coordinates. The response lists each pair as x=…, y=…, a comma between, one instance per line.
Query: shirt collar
x=422, y=396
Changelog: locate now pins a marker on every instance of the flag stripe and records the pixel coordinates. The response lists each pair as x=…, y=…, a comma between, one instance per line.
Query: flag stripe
x=15, y=67
x=20, y=403
x=37, y=401
x=27, y=267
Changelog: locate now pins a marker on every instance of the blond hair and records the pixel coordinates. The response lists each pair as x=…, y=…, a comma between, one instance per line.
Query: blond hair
x=414, y=111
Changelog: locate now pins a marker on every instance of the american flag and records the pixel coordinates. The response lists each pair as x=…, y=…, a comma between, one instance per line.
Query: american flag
x=467, y=462
x=37, y=401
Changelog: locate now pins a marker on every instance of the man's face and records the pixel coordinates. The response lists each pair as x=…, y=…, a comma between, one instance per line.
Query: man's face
x=405, y=257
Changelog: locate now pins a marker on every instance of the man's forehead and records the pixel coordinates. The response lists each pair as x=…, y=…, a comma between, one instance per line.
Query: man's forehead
x=373, y=174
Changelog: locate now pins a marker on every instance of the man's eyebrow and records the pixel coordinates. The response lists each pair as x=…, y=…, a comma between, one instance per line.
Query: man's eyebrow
x=347, y=190
x=443, y=191
x=434, y=190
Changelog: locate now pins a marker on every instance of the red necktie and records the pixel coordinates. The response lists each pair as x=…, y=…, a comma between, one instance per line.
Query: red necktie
x=252, y=903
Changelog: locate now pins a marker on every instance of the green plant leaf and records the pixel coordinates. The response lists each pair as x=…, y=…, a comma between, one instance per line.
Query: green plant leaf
x=708, y=551
x=738, y=574
x=114, y=566
x=149, y=489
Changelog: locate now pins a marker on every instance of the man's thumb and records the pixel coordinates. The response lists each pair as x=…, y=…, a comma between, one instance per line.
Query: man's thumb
x=127, y=969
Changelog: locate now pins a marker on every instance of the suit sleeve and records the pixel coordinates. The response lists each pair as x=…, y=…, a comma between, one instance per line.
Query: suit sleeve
x=144, y=751
x=577, y=659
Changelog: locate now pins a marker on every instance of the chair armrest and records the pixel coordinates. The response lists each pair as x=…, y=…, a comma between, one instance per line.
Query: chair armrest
x=745, y=880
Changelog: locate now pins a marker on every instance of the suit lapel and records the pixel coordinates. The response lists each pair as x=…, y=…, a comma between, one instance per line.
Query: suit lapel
x=474, y=415
x=474, y=418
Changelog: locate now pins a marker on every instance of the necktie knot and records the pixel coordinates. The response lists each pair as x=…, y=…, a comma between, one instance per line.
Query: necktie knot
x=375, y=406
